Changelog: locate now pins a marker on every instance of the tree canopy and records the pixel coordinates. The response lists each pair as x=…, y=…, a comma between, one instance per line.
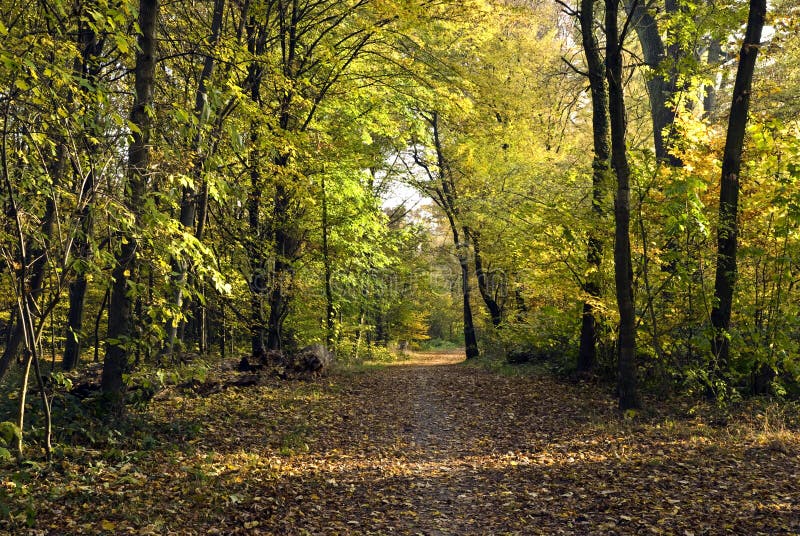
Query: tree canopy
x=611, y=187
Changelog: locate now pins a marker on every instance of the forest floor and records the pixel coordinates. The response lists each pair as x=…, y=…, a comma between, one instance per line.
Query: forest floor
x=428, y=446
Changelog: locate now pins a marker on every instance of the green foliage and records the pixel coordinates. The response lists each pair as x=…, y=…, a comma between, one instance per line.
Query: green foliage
x=547, y=336
x=10, y=434
x=440, y=344
x=337, y=125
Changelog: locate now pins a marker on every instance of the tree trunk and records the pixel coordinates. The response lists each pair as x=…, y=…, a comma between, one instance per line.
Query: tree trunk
x=189, y=197
x=623, y=277
x=710, y=97
x=256, y=36
x=72, y=349
x=725, y=278
x=326, y=260
x=359, y=332
x=258, y=283
x=120, y=314
x=89, y=67
x=521, y=306
x=97, y=321
x=587, y=352
x=26, y=299
x=446, y=199
x=286, y=248
x=660, y=88
x=286, y=243
x=470, y=340
x=12, y=347
x=37, y=258
x=495, y=311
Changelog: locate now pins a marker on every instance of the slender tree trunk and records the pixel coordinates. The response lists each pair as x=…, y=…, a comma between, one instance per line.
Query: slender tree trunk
x=89, y=68
x=710, y=97
x=25, y=303
x=72, y=349
x=326, y=260
x=256, y=37
x=23, y=393
x=258, y=284
x=223, y=336
x=623, y=276
x=97, y=321
x=359, y=331
x=12, y=321
x=446, y=199
x=727, y=232
x=495, y=311
x=12, y=347
x=37, y=258
x=660, y=87
x=470, y=339
x=587, y=352
x=286, y=243
x=121, y=332
x=286, y=247
x=521, y=306
x=189, y=196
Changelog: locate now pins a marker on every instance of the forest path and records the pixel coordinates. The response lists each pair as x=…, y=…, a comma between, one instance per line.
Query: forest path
x=424, y=447
x=435, y=447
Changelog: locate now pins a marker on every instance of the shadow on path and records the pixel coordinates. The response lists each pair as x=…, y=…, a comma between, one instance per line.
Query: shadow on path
x=434, y=447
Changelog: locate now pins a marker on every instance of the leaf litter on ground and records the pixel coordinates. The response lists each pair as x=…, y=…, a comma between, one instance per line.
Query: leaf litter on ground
x=428, y=446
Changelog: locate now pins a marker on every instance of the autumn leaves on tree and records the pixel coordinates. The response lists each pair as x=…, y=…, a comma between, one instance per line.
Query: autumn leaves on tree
x=523, y=180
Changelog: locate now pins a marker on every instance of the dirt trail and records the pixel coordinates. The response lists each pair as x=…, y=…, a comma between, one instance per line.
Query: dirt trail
x=425, y=447
x=436, y=448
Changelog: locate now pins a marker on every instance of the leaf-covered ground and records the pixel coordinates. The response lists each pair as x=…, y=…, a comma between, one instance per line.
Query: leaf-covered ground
x=428, y=447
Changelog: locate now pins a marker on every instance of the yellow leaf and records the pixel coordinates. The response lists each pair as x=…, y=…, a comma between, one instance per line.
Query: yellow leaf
x=107, y=525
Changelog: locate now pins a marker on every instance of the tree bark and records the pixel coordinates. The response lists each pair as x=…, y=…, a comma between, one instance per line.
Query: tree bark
x=120, y=313
x=189, y=197
x=89, y=67
x=727, y=232
x=286, y=248
x=470, y=340
x=660, y=88
x=97, y=321
x=623, y=276
x=256, y=38
x=258, y=283
x=326, y=261
x=710, y=97
x=72, y=348
x=447, y=201
x=587, y=352
x=495, y=311
x=37, y=257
